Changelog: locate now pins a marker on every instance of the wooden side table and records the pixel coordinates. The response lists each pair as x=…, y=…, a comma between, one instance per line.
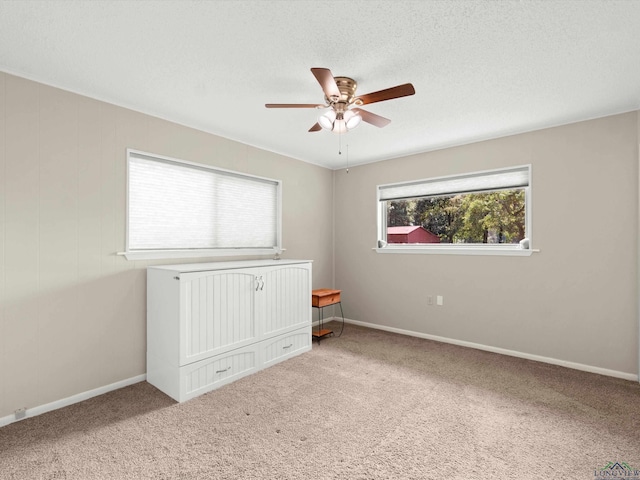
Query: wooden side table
x=320, y=298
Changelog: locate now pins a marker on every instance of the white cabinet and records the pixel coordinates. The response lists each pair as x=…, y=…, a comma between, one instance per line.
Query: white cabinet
x=209, y=324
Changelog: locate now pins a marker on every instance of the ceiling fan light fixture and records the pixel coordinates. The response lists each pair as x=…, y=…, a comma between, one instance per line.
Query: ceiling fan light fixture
x=340, y=126
x=326, y=120
x=352, y=119
x=339, y=122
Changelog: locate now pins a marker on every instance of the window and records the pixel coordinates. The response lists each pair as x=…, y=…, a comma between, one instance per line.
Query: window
x=483, y=212
x=182, y=209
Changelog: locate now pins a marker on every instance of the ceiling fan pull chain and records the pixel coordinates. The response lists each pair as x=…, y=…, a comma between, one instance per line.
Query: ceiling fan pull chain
x=347, y=158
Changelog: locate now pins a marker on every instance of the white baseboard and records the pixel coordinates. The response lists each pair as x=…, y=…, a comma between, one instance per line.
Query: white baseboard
x=513, y=353
x=65, y=402
x=39, y=410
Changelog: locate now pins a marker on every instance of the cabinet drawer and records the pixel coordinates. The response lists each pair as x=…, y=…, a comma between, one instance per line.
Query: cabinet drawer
x=287, y=346
x=323, y=297
x=211, y=373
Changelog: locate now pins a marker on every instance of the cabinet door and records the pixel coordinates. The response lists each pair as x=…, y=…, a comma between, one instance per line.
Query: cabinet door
x=285, y=299
x=217, y=312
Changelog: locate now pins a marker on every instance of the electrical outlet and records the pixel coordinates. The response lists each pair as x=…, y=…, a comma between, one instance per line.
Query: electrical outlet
x=430, y=300
x=440, y=300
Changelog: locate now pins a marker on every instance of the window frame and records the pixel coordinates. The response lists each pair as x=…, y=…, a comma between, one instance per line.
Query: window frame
x=453, y=248
x=168, y=253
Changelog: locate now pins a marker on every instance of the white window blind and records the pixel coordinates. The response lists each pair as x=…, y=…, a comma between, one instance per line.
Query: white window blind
x=469, y=183
x=175, y=205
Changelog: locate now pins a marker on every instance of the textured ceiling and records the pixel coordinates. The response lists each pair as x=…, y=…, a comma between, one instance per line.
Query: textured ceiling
x=481, y=69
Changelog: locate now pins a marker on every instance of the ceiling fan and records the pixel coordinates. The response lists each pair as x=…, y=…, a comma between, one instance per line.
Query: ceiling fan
x=340, y=97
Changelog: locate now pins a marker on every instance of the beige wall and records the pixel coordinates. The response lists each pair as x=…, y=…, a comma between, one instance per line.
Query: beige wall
x=575, y=301
x=72, y=316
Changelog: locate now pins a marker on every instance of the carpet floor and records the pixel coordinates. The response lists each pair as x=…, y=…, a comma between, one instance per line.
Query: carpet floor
x=367, y=405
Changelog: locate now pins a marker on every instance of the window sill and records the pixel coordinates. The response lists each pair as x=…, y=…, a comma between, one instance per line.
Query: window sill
x=223, y=252
x=453, y=250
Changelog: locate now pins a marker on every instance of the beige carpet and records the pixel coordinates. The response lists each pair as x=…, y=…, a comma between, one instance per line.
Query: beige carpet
x=367, y=405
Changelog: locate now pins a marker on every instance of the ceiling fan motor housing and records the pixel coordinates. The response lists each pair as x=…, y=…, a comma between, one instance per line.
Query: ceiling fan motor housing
x=347, y=87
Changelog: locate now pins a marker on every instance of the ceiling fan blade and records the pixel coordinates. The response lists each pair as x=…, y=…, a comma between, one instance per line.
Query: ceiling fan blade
x=372, y=118
x=327, y=82
x=315, y=128
x=294, y=105
x=386, y=94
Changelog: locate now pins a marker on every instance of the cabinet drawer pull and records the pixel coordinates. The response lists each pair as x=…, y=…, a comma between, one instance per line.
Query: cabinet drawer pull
x=222, y=371
x=288, y=346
